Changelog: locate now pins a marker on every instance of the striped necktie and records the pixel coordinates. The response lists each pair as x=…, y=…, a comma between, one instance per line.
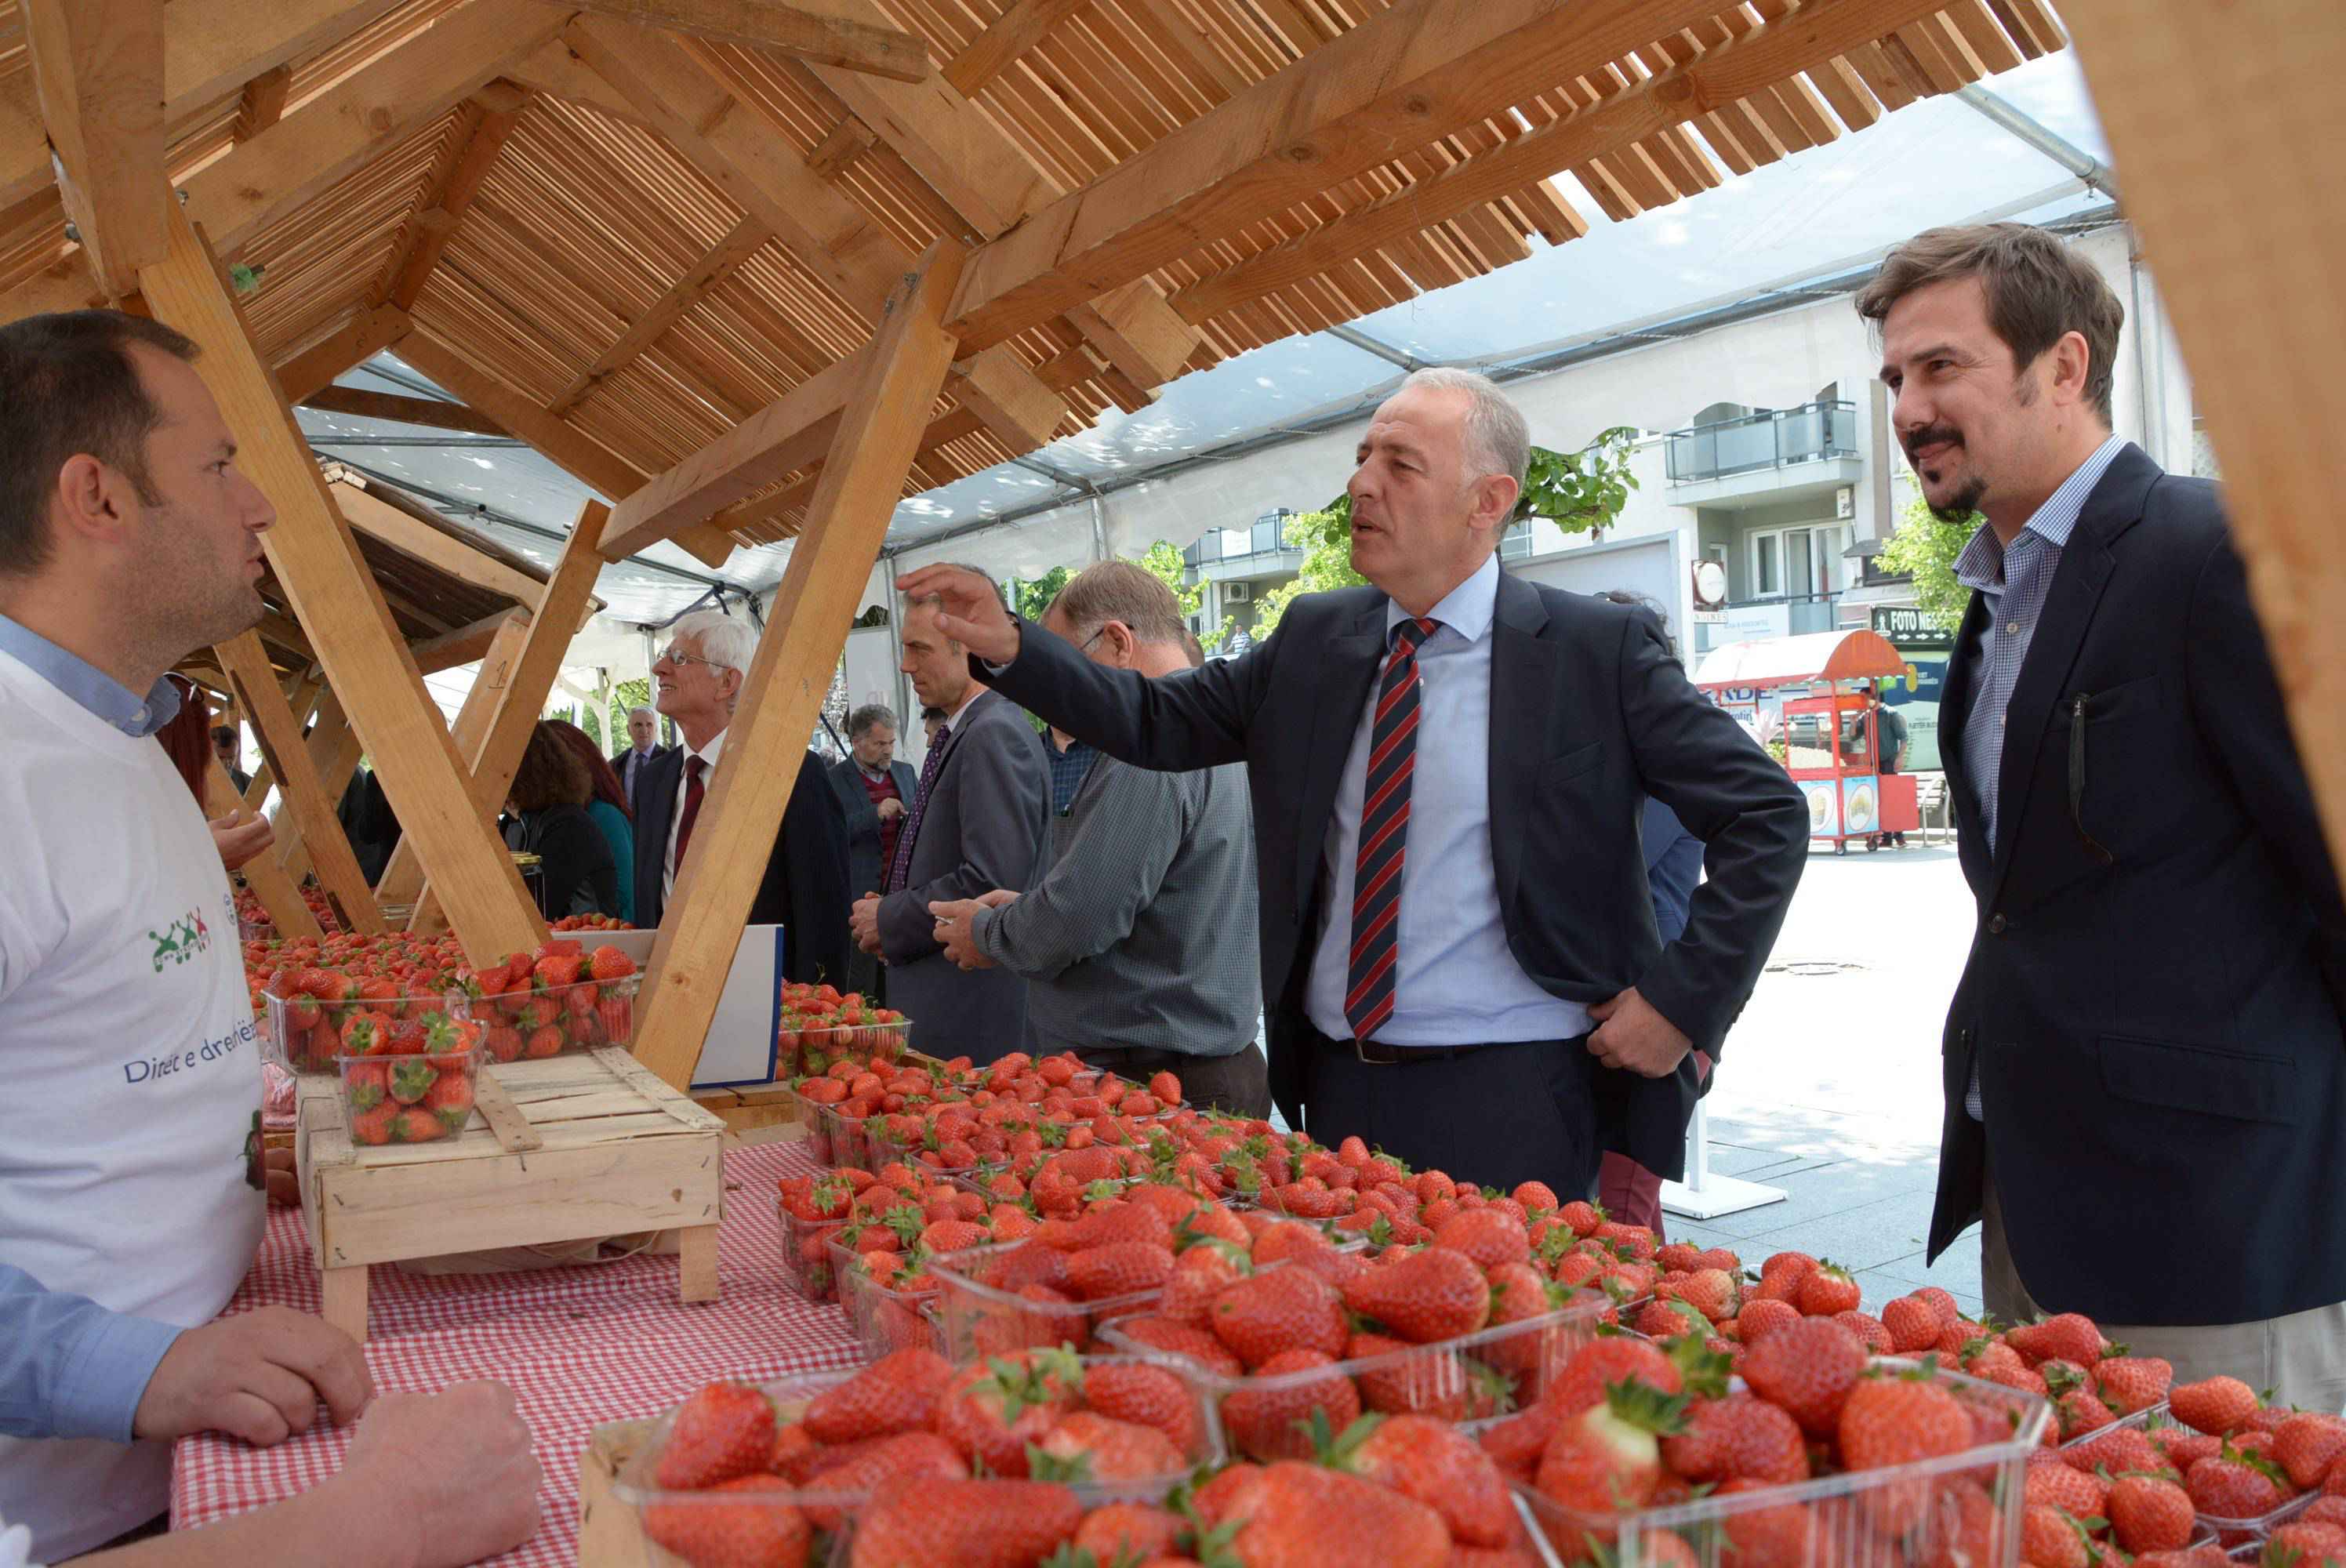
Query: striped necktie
x=900, y=867
x=1384, y=837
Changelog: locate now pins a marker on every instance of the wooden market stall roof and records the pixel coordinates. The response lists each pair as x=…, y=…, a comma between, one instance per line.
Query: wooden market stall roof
x=624, y=242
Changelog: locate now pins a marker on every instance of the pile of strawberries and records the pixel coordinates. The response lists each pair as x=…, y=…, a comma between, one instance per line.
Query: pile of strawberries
x=250, y=914
x=409, y=1082
x=822, y=1027
x=557, y=998
x=591, y=922
x=308, y=988
x=896, y=1212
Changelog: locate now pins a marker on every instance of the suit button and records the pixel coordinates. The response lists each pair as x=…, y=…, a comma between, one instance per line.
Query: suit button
x=1995, y=925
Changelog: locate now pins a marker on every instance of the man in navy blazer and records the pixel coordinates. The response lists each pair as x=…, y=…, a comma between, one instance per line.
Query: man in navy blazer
x=2143, y=1067
x=1457, y=939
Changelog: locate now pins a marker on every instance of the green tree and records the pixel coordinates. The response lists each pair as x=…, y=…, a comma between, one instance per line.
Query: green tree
x=1579, y=492
x=1031, y=599
x=1924, y=547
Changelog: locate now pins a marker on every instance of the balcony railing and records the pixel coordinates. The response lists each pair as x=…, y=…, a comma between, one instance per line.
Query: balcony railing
x=1777, y=439
x=1236, y=544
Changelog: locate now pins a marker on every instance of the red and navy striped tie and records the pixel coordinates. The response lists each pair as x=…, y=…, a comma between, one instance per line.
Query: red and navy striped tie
x=1384, y=837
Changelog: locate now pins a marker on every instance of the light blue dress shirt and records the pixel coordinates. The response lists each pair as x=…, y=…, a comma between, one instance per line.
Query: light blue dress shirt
x=1458, y=983
x=68, y=1367
x=2013, y=582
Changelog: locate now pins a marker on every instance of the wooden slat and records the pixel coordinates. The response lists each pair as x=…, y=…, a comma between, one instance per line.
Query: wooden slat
x=842, y=146
x=317, y=562
x=277, y=895
x=562, y=442
x=98, y=67
x=348, y=346
x=717, y=264
x=514, y=1134
x=303, y=154
x=466, y=645
x=849, y=45
x=1019, y=29
x=65, y=284
x=1138, y=332
x=2195, y=98
x=436, y=224
x=805, y=630
x=1011, y=398
x=309, y=799
x=492, y=764
x=413, y=536
x=401, y=881
x=334, y=749
x=262, y=104
x=1411, y=75
x=1717, y=77
x=431, y=412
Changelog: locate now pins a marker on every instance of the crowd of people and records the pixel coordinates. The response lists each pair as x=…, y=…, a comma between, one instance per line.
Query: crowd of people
x=1521, y=958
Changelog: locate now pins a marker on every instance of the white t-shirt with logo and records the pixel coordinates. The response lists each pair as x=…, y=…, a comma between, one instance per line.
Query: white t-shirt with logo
x=131, y=1066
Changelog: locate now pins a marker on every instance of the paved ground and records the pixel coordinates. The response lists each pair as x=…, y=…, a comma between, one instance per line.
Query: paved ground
x=1829, y=1088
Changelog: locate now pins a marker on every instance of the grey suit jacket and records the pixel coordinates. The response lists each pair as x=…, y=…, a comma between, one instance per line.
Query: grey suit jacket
x=980, y=829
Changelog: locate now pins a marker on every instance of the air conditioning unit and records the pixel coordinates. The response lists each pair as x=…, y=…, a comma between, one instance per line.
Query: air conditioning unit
x=1234, y=593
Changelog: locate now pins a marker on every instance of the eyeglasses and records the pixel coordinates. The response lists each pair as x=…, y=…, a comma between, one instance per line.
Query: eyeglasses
x=670, y=655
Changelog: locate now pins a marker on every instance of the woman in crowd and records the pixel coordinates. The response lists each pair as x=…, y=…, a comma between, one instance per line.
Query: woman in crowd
x=547, y=807
x=608, y=806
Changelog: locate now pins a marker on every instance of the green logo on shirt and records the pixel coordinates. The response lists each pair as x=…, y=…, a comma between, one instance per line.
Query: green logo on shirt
x=181, y=940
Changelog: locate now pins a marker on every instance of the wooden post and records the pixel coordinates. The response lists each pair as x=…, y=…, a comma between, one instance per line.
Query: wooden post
x=401, y=881
x=269, y=884
x=498, y=756
x=310, y=800
x=861, y=482
x=314, y=557
x=2199, y=100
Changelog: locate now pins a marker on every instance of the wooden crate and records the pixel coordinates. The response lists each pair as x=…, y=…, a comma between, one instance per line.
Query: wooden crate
x=611, y=1533
x=558, y=1150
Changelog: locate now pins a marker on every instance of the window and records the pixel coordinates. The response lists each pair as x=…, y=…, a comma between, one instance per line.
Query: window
x=1766, y=566
x=1795, y=562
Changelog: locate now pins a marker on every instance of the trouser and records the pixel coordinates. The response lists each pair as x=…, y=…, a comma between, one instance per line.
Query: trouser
x=1630, y=1192
x=1238, y=1083
x=2301, y=1357
x=1496, y=1116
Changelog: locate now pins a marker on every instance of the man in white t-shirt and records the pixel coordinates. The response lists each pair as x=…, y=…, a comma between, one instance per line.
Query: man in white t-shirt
x=127, y=539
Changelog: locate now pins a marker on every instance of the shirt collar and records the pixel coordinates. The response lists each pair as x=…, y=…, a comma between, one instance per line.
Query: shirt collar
x=1468, y=609
x=877, y=775
x=976, y=691
x=709, y=754
x=104, y=696
x=1981, y=565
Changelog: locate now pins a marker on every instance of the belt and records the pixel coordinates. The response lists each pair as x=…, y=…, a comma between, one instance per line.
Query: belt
x=1378, y=1054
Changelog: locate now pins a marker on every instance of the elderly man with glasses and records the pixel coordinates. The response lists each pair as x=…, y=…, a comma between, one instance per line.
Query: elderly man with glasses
x=696, y=683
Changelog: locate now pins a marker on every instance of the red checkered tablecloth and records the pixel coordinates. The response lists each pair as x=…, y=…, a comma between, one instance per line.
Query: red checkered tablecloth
x=579, y=1346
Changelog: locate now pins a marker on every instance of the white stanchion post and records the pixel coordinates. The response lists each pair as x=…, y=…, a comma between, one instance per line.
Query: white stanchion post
x=1704, y=1195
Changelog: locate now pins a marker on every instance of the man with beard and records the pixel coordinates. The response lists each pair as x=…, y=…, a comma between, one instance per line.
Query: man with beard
x=2144, y=1066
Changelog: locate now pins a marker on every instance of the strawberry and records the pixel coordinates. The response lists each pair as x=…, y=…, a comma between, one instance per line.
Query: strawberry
x=1609, y=1458
x=1826, y=1289
x=2072, y=1490
x=2052, y=1538
x=767, y=1531
x=1809, y=1368
x=366, y=1034
x=900, y=1392
x=1536, y=1196
x=1764, y=1316
x=1284, y=1309
x=1200, y=1273
x=2237, y=1484
x=1149, y=1396
x=1270, y=1416
x=1741, y=1435
x=1869, y=1331
x=503, y=1042
x=1166, y=1089
x=1436, y=1294
x=373, y=1126
x=722, y=1432
x=993, y=1410
x=1601, y=1363
x=1295, y=1513
x=616, y=1015
x=2304, y=1544
x=1130, y=1533
x=1120, y=1269
x=608, y=964
x=1085, y=1446
x=543, y=1041
x=916, y=1523
x=2216, y=1406
x=2305, y=1444
x=367, y=1084
x=411, y=1078
x=2133, y=1383
x=1900, y=1420
x=1119, y=1221
x=863, y=1466
x=2080, y=1412
x=2068, y=1337
x=2115, y=1450
x=555, y=970
x=1781, y=1537
x=1185, y=1340
x=414, y=1124
x=450, y=1098
x=1434, y=1463
x=2150, y=1515
x=1581, y=1216
x=1491, y=1237
x=1913, y=1327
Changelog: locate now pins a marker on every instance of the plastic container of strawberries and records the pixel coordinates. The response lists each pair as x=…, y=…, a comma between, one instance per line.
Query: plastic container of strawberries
x=2154, y=1416
x=807, y=1253
x=408, y=1098
x=850, y=1145
x=304, y=1036
x=1489, y=1372
x=1858, y=1517
x=979, y=1318
x=557, y=1019
x=2232, y=1533
x=885, y=1319
x=818, y=1043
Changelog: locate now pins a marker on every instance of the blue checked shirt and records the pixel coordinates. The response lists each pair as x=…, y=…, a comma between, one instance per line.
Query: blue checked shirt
x=1068, y=770
x=2013, y=582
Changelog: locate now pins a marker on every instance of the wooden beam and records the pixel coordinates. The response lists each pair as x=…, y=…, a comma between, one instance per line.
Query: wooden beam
x=98, y=68
x=467, y=643
x=434, y=414
x=287, y=912
x=1401, y=80
x=2196, y=101
x=746, y=157
x=745, y=240
x=1704, y=83
x=576, y=452
x=851, y=45
x=492, y=119
x=1138, y=332
x=848, y=140
x=317, y=563
x=790, y=434
x=414, y=537
x=497, y=758
x=307, y=797
x=401, y=882
x=947, y=427
x=787, y=681
x=65, y=284
x=1026, y=23
x=1011, y=398
x=349, y=124
x=348, y=346
x=262, y=102
x=334, y=751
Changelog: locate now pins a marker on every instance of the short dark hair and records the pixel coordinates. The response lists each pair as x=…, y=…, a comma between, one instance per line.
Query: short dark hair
x=223, y=735
x=68, y=386
x=549, y=775
x=2038, y=292
x=870, y=714
x=931, y=711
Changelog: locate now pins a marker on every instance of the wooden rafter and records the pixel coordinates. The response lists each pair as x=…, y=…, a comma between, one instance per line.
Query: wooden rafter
x=357, y=340
x=1009, y=36
x=262, y=104
x=309, y=799
x=401, y=881
x=901, y=374
x=98, y=66
x=413, y=536
x=431, y=412
x=715, y=264
x=490, y=114
x=848, y=43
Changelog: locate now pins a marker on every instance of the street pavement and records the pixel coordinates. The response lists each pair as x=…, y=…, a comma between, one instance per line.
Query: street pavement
x=1828, y=1085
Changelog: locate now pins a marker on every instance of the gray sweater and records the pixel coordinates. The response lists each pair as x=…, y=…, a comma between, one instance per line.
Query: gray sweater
x=1140, y=931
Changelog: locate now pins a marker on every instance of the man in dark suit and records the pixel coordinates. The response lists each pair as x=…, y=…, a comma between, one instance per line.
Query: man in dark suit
x=876, y=793
x=804, y=890
x=1452, y=953
x=2145, y=1074
x=976, y=824
x=643, y=745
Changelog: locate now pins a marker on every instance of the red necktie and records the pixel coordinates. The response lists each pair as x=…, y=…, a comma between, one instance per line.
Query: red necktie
x=693, y=790
x=1384, y=836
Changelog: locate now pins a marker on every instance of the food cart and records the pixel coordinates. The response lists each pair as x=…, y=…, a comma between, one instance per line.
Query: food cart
x=1827, y=741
